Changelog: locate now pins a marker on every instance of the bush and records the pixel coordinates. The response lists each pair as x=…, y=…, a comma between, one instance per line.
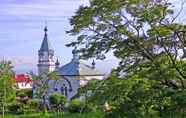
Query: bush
x=77, y=106
x=33, y=106
x=57, y=102
x=15, y=108
x=21, y=94
x=21, y=108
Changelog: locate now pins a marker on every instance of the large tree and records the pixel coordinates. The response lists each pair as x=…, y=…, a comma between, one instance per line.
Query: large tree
x=7, y=85
x=150, y=44
x=137, y=31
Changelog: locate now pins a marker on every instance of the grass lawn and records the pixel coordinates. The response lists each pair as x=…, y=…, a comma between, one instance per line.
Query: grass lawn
x=67, y=115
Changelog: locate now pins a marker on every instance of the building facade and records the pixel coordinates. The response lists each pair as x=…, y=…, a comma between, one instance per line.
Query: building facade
x=72, y=75
x=23, y=82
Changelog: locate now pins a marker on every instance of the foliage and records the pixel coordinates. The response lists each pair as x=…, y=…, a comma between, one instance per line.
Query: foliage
x=27, y=92
x=41, y=86
x=33, y=106
x=150, y=44
x=15, y=108
x=79, y=106
x=7, y=91
x=75, y=115
x=135, y=31
x=21, y=94
x=135, y=97
x=57, y=102
x=75, y=106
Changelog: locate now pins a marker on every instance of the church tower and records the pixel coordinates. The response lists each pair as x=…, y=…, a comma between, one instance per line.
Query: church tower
x=46, y=61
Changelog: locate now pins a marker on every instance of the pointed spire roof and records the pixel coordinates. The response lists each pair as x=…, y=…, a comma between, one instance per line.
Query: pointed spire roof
x=46, y=45
x=93, y=64
x=57, y=62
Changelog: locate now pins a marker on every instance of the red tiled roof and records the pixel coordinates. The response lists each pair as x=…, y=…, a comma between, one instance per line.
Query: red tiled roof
x=22, y=78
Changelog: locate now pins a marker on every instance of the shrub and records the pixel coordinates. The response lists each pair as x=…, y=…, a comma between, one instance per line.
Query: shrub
x=57, y=102
x=15, y=108
x=33, y=106
x=21, y=94
x=77, y=106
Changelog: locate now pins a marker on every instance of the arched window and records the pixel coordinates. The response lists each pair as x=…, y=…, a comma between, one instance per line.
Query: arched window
x=64, y=90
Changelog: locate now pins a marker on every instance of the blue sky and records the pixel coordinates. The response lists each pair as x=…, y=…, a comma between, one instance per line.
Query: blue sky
x=21, y=30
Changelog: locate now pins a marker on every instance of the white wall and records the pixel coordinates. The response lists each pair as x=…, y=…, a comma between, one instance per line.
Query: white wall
x=75, y=81
x=84, y=79
x=24, y=85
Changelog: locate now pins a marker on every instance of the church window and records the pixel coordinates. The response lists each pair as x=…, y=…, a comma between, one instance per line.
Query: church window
x=55, y=89
x=66, y=92
x=62, y=90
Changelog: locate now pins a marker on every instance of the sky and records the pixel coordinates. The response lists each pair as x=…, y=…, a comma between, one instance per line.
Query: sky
x=21, y=31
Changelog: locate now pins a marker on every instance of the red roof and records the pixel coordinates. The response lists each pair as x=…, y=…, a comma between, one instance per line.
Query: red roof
x=22, y=78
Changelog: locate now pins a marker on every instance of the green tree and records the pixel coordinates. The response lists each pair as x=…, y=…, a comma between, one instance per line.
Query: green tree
x=41, y=86
x=57, y=102
x=7, y=90
x=150, y=44
x=137, y=31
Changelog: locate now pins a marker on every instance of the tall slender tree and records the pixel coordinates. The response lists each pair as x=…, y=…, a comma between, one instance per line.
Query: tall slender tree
x=42, y=86
x=7, y=90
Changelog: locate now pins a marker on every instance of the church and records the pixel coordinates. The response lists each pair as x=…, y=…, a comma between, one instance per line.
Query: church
x=73, y=75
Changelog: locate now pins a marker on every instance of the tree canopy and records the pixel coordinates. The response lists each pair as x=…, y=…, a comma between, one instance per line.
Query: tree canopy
x=150, y=44
x=7, y=84
x=143, y=34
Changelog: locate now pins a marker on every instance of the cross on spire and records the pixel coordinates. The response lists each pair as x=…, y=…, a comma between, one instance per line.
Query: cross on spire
x=46, y=46
x=46, y=29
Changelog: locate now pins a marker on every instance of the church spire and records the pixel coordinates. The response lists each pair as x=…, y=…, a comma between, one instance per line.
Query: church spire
x=57, y=64
x=45, y=29
x=93, y=64
x=46, y=61
x=46, y=46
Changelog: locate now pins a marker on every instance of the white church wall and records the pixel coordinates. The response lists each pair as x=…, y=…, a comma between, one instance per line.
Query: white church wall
x=72, y=84
x=75, y=83
x=84, y=79
x=56, y=86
